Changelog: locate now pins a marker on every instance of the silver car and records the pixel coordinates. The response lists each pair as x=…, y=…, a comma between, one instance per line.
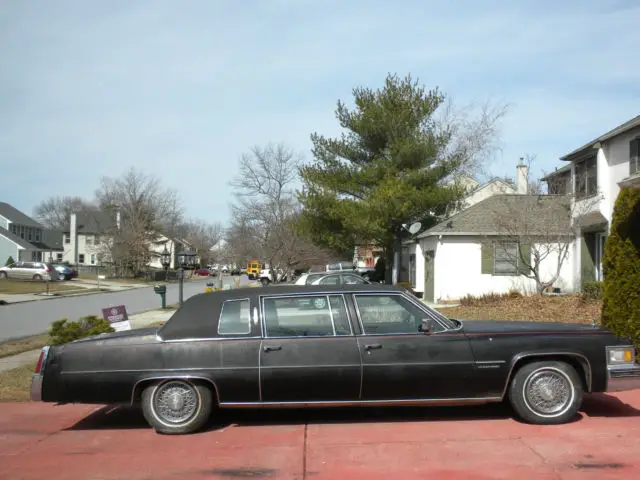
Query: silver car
x=37, y=271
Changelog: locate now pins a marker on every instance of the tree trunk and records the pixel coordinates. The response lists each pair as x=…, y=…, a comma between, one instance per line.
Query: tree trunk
x=388, y=264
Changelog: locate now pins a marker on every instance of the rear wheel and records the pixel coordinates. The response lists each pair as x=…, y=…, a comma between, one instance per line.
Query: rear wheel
x=177, y=406
x=37, y=277
x=264, y=281
x=546, y=393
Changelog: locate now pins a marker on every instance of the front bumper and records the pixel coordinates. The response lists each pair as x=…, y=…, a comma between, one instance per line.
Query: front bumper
x=623, y=377
x=36, y=388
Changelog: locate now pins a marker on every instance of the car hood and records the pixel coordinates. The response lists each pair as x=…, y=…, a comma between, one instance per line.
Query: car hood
x=496, y=326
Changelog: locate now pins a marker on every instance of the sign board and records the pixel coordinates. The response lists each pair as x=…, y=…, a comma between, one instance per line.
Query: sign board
x=117, y=317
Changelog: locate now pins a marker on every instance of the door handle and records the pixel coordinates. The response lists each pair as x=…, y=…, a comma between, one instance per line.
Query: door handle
x=271, y=348
x=375, y=346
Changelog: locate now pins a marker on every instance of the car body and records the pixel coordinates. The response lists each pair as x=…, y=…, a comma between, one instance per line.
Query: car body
x=37, y=271
x=373, y=345
x=343, y=278
x=205, y=272
x=309, y=277
x=65, y=272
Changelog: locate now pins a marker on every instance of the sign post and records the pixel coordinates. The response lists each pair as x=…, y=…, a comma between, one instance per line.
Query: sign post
x=117, y=317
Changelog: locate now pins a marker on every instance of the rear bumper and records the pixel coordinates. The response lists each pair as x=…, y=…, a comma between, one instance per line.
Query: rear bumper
x=36, y=388
x=623, y=377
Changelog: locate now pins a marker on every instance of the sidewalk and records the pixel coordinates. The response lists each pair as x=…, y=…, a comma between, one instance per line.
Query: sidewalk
x=137, y=321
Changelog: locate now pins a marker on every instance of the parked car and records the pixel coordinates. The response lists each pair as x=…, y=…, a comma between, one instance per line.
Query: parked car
x=372, y=345
x=308, y=278
x=37, y=271
x=65, y=272
x=345, y=278
x=204, y=272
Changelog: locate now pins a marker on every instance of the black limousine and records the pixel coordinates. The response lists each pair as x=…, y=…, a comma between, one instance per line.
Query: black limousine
x=319, y=346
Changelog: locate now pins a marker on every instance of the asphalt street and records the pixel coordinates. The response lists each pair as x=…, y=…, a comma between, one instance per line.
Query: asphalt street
x=33, y=318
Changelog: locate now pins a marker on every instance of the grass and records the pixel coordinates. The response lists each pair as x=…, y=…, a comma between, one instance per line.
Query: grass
x=569, y=308
x=15, y=347
x=16, y=383
x=17, y=287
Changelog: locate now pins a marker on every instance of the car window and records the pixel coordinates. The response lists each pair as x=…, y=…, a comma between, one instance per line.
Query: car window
x=330, y=280
x=389, y=314
x=352, y=280
x=235, y=318
x=309, y=316
x=313, y=277
x=27, y=265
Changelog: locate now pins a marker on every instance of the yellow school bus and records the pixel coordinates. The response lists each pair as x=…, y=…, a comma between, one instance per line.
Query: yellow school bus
x=253, y=268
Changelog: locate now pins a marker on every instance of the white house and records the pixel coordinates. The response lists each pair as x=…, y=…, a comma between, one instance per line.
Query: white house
x=173, y=246
x=592, y=177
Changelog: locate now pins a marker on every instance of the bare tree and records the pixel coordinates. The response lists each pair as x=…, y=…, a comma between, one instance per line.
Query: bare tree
x=203, y=237
x=54, y=213
x=266, y=208
x=146, y=210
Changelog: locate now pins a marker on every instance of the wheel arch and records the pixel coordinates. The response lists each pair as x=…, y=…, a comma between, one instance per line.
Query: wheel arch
x=576, y=360
x=141, y=384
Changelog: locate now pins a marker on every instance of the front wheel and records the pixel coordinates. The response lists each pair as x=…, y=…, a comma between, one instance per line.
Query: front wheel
x=264, y=282
x=3, y=275
x=546, y=393
x=177, y=406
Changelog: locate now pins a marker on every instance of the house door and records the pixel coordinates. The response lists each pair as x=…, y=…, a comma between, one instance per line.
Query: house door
x=429, y=282
x=601, y=239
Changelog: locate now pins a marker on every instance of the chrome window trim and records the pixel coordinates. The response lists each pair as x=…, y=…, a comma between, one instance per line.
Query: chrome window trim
x=209, y=339
x=520, y=356
x=222, y=311
x=265, y=333
x=364, y=333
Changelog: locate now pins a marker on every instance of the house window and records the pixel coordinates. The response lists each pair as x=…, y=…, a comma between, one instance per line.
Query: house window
x=634, y=156
x=412, y=269
x=59, y=257
x=14, y=229
x=67, y=238
x=88, y=240
x=81, y=258
x=34, y=256
x=38, y=234
x=96, y=239
x=30, y=233
x=505, y=259
x=587, y=177
x=21, y=231
x=93, y=259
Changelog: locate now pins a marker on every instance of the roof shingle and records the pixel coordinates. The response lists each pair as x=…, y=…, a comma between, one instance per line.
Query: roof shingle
x=16, y=216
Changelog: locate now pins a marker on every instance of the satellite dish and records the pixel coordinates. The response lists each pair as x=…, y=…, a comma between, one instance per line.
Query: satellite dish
x=415, y=228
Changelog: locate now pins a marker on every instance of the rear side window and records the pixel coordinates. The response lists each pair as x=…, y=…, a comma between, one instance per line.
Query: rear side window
x=235, y=318
x=312, y=316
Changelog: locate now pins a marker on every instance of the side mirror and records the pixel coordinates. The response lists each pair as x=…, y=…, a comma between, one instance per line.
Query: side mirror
x=425, y=326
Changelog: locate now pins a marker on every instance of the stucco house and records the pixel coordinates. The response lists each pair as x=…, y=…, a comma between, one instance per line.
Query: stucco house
x=24, y=239
x=592, y=178
x=487, y=247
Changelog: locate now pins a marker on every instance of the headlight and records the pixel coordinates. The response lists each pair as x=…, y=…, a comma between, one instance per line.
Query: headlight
x=619, y=355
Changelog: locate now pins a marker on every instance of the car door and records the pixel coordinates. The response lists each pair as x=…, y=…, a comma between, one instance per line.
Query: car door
x=401, y=363
x=308, y=354
x=21, y=271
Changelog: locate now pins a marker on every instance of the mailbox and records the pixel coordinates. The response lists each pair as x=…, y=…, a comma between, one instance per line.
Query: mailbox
x=160, y=289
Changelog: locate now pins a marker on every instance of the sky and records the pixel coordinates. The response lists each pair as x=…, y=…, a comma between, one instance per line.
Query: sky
x=182, y=89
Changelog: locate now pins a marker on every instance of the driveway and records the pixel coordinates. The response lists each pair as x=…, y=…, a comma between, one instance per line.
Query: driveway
x=81, y=442
x=33, y=318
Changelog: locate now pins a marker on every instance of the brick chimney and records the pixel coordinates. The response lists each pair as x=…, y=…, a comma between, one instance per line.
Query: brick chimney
x=522, y=178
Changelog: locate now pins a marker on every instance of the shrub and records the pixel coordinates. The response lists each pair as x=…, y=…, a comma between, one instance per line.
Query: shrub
x=63, y=331
x=621, y=263
x=592, y=291
x=10, y=261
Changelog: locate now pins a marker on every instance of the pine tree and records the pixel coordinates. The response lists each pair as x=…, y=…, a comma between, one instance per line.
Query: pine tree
x=621, y=264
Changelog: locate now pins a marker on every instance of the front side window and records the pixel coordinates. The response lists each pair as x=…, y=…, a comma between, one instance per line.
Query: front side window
x=312, y=316
x=389, y=314
x=330, y=280
x=312, y=278
x=235, y=318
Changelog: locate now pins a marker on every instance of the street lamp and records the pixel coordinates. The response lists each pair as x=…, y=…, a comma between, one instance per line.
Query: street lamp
x=186, y=258
x=165, y=260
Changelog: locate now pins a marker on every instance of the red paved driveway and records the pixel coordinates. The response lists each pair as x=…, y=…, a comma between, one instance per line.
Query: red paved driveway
x=83, y=442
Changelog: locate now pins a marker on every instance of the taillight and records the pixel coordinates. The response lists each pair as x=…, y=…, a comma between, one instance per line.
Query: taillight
x=42, y=359
x=48, y=270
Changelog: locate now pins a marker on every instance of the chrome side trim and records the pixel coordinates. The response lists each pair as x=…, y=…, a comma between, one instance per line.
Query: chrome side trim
x=209, y=339
x=364, y=403
x=151, y=370
x=490, y=362
x=171, y=377
x=520, y=356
